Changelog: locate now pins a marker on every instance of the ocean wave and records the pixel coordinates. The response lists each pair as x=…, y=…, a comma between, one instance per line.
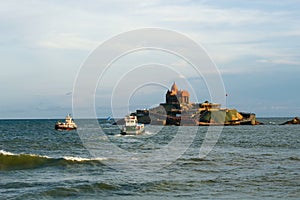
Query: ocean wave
x=6, y=152
x=294, y=158
x=79, y=159
x=11, y=161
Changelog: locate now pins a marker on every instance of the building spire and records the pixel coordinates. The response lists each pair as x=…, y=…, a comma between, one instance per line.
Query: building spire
x=174, y=88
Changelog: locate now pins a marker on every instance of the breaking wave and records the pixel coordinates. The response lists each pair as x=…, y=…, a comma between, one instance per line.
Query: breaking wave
x=11, y=161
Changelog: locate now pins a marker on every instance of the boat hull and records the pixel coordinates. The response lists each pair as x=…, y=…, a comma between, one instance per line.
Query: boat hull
x=132, y=130
x=62, y=127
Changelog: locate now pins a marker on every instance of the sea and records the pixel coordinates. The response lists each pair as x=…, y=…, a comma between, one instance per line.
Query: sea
x=170, y=162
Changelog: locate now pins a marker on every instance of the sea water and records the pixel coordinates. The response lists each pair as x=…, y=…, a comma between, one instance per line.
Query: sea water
x=247, y=162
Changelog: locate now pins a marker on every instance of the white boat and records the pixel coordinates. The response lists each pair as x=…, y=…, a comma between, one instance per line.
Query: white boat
x=69, y=124
x=132, y=127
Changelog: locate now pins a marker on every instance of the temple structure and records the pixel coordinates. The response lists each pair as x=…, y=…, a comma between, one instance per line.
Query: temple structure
x=178, y=110
x=177, y=96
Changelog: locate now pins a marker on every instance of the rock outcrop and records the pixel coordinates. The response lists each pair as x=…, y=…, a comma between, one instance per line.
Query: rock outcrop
x=296, y=120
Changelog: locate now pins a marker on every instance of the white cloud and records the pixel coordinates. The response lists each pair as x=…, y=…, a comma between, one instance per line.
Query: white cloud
x=208, y=15
x=232, y=32
x=229, y=34
x=279, y=61
x=68, y=41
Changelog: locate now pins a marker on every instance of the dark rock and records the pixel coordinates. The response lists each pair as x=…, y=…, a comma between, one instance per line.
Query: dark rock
x=293, y=121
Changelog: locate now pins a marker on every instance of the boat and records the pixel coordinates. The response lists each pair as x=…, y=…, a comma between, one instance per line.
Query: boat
x=69, y=124
x=132, y=127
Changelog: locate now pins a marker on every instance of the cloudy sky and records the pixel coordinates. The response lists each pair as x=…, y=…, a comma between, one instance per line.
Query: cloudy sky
x=255, y=45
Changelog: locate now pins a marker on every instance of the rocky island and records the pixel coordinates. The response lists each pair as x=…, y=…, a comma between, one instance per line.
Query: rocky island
x=296, y=120
x=179, y=111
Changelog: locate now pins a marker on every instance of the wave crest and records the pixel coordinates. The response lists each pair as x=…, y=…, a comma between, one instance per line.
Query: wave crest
x=11, y=161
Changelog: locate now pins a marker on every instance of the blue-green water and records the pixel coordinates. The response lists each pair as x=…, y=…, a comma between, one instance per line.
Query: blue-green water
x=248, y=162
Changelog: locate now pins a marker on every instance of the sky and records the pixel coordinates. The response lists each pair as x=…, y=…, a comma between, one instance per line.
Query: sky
x=254, y=44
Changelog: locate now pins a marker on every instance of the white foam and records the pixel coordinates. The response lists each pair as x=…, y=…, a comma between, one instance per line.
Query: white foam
x=79, y=159
x=71, y=158
x=118, y=135
x=150, y=133
x=35, y=155
x=6, y=153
